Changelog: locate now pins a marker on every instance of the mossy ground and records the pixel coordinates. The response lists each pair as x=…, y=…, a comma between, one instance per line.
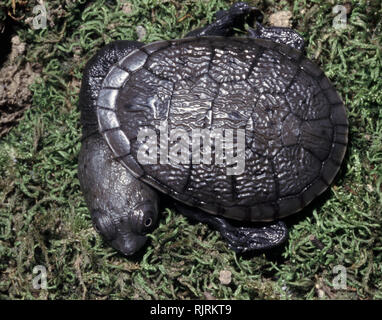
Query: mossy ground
x=43, y=217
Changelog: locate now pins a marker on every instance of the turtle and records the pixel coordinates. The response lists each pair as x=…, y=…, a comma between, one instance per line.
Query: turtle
x=259, y=95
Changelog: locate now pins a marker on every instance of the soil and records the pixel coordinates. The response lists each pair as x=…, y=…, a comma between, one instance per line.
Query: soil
x=16, y=76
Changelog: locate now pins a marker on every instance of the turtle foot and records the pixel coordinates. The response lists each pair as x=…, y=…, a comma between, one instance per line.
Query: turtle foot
x=241, y=239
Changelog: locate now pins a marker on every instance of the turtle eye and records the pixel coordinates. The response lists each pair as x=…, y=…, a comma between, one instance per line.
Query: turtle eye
x=142, y=218
x=149, y=219
x=148, y=222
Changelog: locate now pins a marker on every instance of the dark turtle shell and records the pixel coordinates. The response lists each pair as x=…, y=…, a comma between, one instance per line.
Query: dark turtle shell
x=295, y=122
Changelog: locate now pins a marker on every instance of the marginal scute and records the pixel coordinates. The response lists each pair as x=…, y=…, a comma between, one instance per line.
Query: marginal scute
x=288, y=206
x=238, y=213
x=155, y=46
x=159, y=186
x=132, y=165
x=118, y=142
x=325, y=83
x=338, y=153
x=311, y=68
x=333, y=97
x=107, y=97
x=267, y=44
x=313, y=191
x=338, y=116
x=291, y=53
x=330, y=170
x=115, y=78
x=267, y=211
x=107, y=119
x=134, y=61
x=341, y=138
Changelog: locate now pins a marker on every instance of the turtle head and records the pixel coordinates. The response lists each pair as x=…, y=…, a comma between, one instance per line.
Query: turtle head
x=126, y=229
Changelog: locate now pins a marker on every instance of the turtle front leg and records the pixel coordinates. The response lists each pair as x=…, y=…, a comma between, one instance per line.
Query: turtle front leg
x=278, y=34
x=227, y=20
x=240, y=239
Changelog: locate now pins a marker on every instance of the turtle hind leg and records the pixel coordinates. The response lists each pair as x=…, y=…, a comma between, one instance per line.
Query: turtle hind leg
x=240, y=239
x=226, y=20
x=278, y=34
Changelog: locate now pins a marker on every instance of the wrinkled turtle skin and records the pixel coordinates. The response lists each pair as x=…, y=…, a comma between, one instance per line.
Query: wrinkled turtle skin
x=294, y=121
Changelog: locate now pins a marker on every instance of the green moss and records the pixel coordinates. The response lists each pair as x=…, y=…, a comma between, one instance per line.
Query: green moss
x=44, y=220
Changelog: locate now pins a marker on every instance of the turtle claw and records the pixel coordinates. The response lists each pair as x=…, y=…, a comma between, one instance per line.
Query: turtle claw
x=248, y=239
